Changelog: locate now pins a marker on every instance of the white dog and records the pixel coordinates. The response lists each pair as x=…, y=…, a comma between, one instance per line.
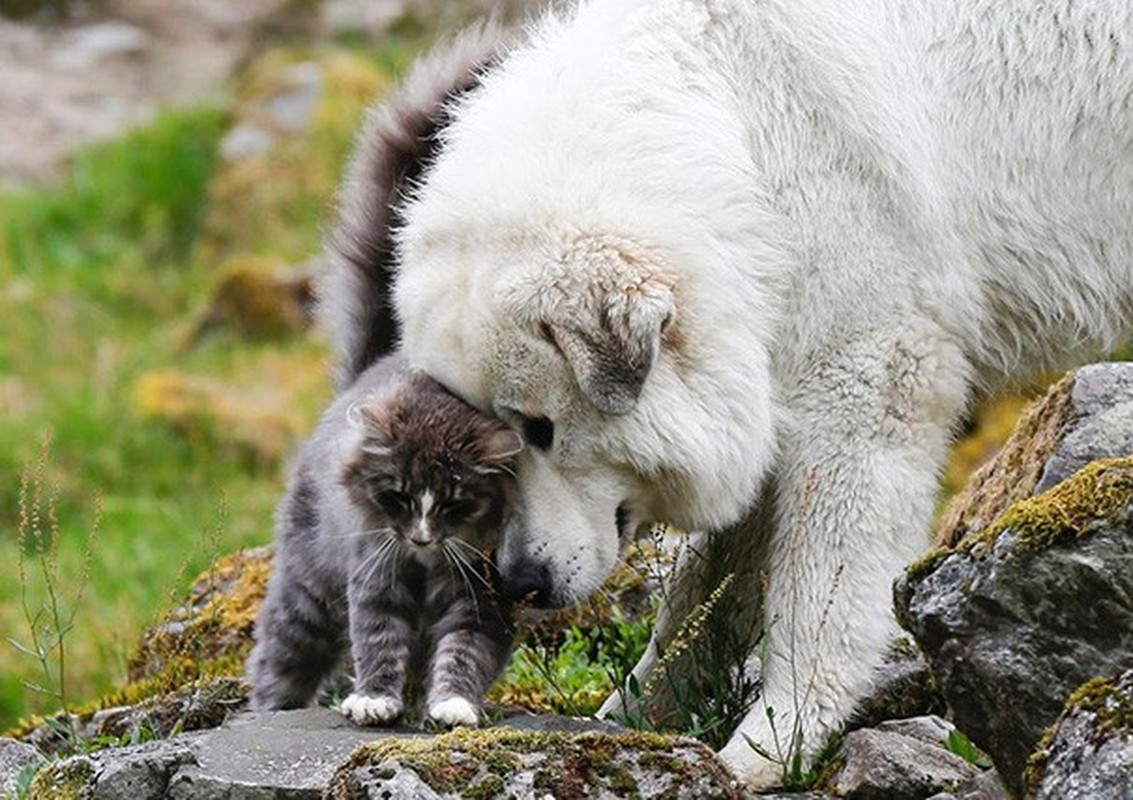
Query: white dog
x=740, y=265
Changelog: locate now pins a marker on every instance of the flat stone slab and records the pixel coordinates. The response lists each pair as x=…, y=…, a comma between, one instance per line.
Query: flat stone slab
x=274, y=754
x=291, y=755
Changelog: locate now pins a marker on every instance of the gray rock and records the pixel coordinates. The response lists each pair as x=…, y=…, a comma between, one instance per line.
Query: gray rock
x=246, y=140
x=292, y=109
x=142, y=771
x=929, y=729
x=884, y=765
x=15, y=758
x=1090, y=754
x=1017, y=617
x=1101, y=403
x=903, y=686
x=302, y=755
x=500, y=763
x=283, y=754
x=524, y=721
x=987, y=786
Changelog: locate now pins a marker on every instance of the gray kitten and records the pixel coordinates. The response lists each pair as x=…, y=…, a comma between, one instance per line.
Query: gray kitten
x=384, y=539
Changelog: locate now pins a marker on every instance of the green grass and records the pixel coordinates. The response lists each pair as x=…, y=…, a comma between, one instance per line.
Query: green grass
x=98, y=285
x=103, y=279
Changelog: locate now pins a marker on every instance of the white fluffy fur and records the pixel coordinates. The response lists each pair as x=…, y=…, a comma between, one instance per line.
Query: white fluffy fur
x=835, y=217
x=455, y=711
x=366, y=710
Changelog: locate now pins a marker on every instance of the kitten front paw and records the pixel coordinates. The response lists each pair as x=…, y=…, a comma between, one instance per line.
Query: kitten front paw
x=455, y=711
x=365, y=710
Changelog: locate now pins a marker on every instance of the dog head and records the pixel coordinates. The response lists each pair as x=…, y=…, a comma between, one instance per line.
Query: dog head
x=582, y=342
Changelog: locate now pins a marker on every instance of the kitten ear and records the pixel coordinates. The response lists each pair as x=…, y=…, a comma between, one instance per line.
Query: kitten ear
x=375, y=427
x=501, y=445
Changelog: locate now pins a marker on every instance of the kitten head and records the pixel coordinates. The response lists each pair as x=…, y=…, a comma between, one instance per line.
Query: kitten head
x=431, y=468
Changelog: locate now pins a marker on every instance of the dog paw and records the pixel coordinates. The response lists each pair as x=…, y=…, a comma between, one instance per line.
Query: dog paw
x=365, y=710
x=454, y=711
x=754, y=770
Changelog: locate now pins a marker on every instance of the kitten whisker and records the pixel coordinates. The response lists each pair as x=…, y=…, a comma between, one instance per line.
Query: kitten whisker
x=376, y=559
x=469, y=546
x=464, y=560
x=453, y=557
x=388, y=531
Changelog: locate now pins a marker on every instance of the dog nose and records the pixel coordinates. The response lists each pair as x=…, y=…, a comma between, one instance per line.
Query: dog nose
x=529, y=582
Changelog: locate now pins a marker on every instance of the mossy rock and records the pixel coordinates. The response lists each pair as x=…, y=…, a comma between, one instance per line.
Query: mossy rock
x=1088, y=752
x=498, y=763
x=186, y=673
x=61, y=781
x=215, y=624
x=1021, y=611
x=256, y=414
x=1013, y=474
x=1101, y=492
x=262, y=203
x=258, y=298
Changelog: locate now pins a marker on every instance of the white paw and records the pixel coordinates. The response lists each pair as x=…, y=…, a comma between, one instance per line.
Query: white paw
x=455, y=711
x=755, y=771
x=366, y=710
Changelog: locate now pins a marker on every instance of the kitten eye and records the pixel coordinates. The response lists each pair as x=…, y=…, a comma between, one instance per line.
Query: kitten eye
x=457, y=512
x=393, y=502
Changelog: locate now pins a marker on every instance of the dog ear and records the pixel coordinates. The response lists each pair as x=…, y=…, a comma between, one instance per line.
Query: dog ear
x=612, y=346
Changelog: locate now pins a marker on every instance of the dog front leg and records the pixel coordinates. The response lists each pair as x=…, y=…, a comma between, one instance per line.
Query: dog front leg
x=855, y=490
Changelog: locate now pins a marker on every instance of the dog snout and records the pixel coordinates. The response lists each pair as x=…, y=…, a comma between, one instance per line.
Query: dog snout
x=530, y=582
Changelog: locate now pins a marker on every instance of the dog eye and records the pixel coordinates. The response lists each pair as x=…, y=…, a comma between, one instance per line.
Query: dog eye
x=539, y=432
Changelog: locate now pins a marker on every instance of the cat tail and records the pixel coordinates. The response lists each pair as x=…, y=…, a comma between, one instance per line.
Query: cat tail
x=397, y=141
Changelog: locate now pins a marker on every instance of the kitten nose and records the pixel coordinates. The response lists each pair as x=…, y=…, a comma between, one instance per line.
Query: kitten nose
x=421, y=536
x=530, y=582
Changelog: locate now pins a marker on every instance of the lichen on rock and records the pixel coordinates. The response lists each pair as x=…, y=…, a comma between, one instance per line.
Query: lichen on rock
x=1016, y=469
x=64, y=780
x=499, y=762
x=1088, y=752
x=1026, y=607
x=1099, y=493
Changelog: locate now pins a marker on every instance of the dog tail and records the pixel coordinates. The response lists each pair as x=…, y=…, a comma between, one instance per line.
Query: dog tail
x=398, y=139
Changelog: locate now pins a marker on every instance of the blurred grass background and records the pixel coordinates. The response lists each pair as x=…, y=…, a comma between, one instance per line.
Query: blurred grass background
x=178, y=429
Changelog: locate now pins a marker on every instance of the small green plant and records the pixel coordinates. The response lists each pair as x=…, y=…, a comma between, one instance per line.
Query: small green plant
x=50, y=620
x=576, y=673
x=959, y=744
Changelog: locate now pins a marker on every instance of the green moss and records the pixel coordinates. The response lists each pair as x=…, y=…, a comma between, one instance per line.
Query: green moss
x=62, y=780
x=1112, y=708
x=1099, y=492
x=927, y=562
x=214, y=626
x=483, y=788
x=1015, y=471
x=476, y=763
